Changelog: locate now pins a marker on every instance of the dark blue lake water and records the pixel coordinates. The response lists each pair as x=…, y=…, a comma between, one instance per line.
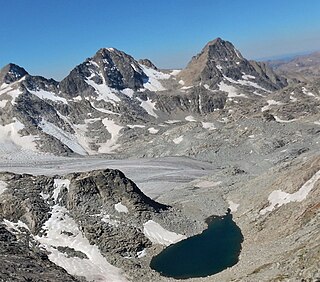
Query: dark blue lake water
x=215, y=249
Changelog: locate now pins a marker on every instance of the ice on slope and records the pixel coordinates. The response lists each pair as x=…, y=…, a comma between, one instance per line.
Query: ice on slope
x=153, y=82
x=3, y=186
x=114, y=130
x=58, y=185
x=148, y=106
x=158, y=235
x=66, y=138
x=104, y=92
x=10, y=139
x=246, y=83
x=42, y=94
x=231, y=90
x=95, y=268
x=3, y=103
x=278, y=198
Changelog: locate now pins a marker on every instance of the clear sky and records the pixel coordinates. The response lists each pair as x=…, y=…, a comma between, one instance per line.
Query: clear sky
x=49, y=38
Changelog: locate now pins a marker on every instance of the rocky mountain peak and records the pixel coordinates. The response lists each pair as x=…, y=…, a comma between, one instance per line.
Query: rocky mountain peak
x=147, y=63
x=110, y=67
x=220, y=61
x=11, y=73
x=221, y=50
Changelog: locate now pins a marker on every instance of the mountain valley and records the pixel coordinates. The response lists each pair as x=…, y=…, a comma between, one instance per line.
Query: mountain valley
x=100, y=171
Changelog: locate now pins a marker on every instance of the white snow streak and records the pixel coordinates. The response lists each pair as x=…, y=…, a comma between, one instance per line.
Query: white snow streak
x=149, y=106
x=158, y=235
x=278, y=198
x=153, y=83
x=95, y=268
x=42, y=94
x=64, y=137
x=178, y=140
x=3, y=186
x=114, y=130
x=190, y=118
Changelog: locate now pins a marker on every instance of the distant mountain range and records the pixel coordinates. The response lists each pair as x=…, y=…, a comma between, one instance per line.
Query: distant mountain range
x=302, y=67
x=109, y=97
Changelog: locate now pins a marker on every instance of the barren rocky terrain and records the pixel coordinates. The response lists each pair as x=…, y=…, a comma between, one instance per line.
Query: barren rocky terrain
x=101, y=171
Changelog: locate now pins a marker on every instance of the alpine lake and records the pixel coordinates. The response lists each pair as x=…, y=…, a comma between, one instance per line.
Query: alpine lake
x=215, y=249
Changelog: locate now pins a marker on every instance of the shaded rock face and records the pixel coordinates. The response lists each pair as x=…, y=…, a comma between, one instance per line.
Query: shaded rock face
x=11, y=73
x=109, y=67
x=219, y=59
x=199, y=100
x=147, y=63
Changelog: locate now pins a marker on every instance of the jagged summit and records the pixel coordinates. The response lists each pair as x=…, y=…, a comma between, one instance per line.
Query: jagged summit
x=219, y=60
x=108, y=66
x=11, y=73
x=147, y=63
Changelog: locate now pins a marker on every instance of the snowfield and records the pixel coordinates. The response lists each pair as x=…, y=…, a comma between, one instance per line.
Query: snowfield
x=278, y=198
x=94, y=268
x=158, y=235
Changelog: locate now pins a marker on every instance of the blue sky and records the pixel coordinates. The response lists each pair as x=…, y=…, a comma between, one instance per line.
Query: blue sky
x=50, y=37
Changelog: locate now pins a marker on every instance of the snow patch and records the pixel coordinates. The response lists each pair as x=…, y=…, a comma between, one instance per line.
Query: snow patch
x=308, y=93
x=152, y=83
x=148, y=106
x=178, y=140
x=42, y=94
x=95, y=268
x=172, y=121
x=248, y=76
x=136, y=126
x=231, y=90
x=208, y=125
x=114, y=130
x=58, y=184
x=278, y=198
x=64, y=137
x=175, y=72
x=128, y=92
x=3, y=186
x=104, y=92
x=11, y=139
x=270, y=103
x=283, y=121
x=158, y=235
x=233, y=206
x=3, y=103
x=121, y=208
x=152, y=130
x=190, y=118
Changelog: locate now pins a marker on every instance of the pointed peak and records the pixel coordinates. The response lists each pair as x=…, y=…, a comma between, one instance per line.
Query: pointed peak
x=11, y=73
x=108, y=50
x=218, y=42
x=147, y=63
